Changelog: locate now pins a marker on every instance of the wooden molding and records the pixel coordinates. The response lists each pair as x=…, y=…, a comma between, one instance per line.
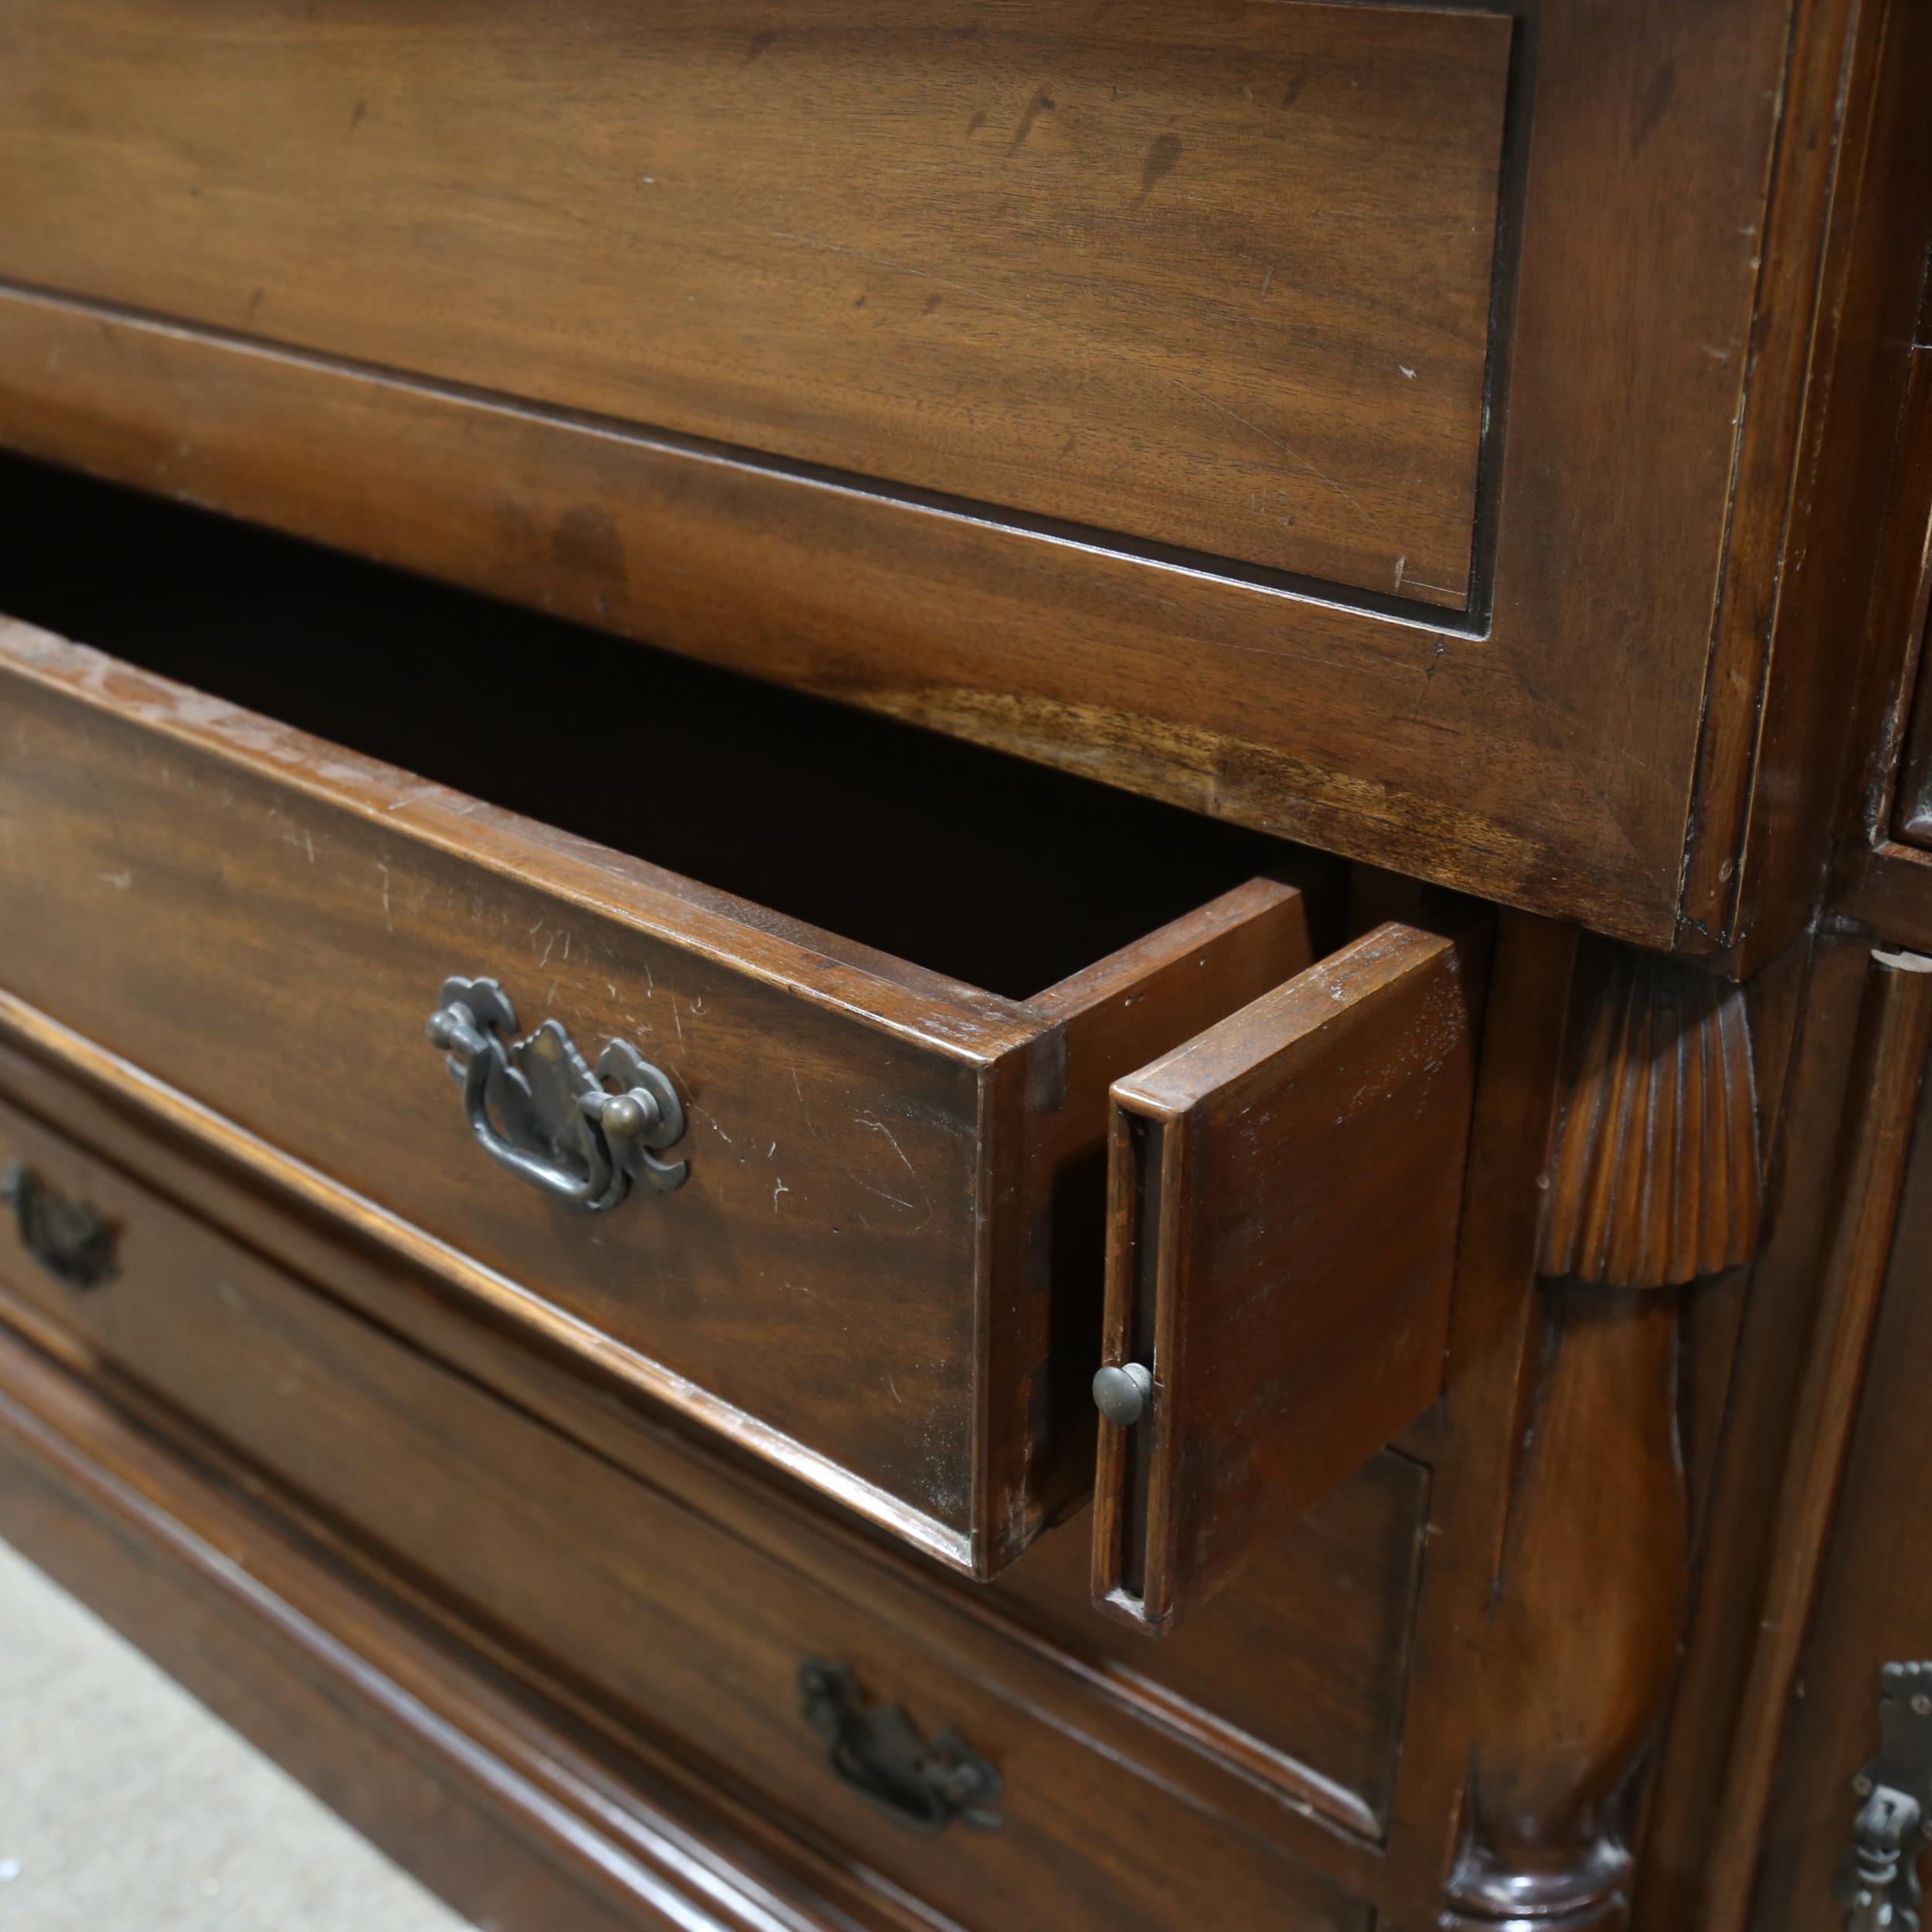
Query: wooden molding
x=1654, y=1179
x=507, y=1808
x=1888, y=1061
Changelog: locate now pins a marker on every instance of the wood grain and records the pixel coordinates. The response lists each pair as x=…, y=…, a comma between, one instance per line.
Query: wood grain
x=853, y=1122
x=1895, y=1031
x=1476, y=1437
x=1298, y=1669
x=1280, y=1708
x=1222, y=284
x=577, y=1575
x=1869, y=1606
x=1845, y=235
x=1284, y=1198
x=1583, y=1634
x=509, y=1809
x=1655, y=1179
x=1545, y=755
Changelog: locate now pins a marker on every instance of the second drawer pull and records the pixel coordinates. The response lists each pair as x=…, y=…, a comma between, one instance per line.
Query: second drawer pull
x=537, y=1109
x=877, y=1750
x=68, y=1238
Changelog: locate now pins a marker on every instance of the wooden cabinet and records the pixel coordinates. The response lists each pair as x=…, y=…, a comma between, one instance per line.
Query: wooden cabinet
x=861, y=1161
x=1334, y=418
x=960, y=966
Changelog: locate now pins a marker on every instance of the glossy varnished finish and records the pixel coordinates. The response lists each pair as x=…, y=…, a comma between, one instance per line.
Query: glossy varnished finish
x=1611, y=609
x=1285, y=1192
x=1546, y=750
x=1299, y=1669
x=875, y=1151
x=1655, y=1179
x=1221, y=283
x=509, y=1532
x=503, y=1812
x=1888, y=1068
x=1869, y=1604
x=1281, y=1705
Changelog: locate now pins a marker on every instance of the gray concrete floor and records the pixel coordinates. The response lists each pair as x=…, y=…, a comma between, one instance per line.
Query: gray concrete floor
x=125, y=1807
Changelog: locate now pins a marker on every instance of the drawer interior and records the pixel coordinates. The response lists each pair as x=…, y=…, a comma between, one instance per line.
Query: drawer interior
x=994, y=871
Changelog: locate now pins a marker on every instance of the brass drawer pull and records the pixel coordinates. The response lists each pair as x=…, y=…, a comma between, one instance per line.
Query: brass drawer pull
x=68, y=1238
x=536, y=1108
x=877, y=1750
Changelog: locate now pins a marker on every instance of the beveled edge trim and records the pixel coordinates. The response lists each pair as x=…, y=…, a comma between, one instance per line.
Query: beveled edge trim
x=947, y=1016
x=957, y=1549
x=970, y=1632
x=596, y=1830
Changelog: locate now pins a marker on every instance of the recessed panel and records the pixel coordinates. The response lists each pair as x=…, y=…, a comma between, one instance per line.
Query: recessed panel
x=1214, y=277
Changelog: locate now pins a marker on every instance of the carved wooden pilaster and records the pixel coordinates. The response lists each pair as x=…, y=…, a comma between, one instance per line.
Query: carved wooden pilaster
x=1652, y=1182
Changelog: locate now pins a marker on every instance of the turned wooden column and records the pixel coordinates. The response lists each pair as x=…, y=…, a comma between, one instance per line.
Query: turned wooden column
x=1653, y=1182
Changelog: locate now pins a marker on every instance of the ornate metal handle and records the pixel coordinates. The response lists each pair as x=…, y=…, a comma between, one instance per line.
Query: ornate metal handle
x=1878, y=1880
x=68, y=1238
x=536, y=1108
x=878, y=1751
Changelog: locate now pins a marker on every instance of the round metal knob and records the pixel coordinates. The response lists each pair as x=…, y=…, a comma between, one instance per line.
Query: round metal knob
x=627, y=1117
x=1122, y=1391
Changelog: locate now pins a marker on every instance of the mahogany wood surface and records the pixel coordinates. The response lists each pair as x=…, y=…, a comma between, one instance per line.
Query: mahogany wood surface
x=1300, y=1664
x=1888, y=1066
x=1282, y=1706
x=1222, y=283
x=1764, y=1353
x=514, y=1814
x=1661, y=1068
x=1843, y=240
x=874, y=1150
x=1544, y=749
x=1869, y=1604
x=1582, y=1638
x=1285, y=1190
x=667, y=1621
x=1489, y=443
x=1900, y=614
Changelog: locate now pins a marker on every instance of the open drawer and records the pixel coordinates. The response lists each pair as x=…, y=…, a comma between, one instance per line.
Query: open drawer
x=845, y=1209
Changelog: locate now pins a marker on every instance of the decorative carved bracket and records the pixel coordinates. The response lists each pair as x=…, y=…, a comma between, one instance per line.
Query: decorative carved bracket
x=1655, y=1177
x=1653, y=1182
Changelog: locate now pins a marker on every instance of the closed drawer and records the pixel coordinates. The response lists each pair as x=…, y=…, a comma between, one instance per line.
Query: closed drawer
x=1223, y=283
x=1235, y=400
x=880, y=1264
x=606, y=1590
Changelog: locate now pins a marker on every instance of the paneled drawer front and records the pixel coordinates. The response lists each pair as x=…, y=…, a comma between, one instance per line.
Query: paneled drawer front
x=1218, y=278
x=599, y=1581
x=881, y=1161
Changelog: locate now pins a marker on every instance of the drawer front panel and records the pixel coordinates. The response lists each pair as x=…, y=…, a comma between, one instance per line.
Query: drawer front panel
x=659, y=1616
x=1218, y=278
x=274, y=955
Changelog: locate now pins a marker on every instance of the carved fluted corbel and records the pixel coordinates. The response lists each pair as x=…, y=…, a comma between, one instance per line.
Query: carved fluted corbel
x=1653, y=1182
x=1655, y=1177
